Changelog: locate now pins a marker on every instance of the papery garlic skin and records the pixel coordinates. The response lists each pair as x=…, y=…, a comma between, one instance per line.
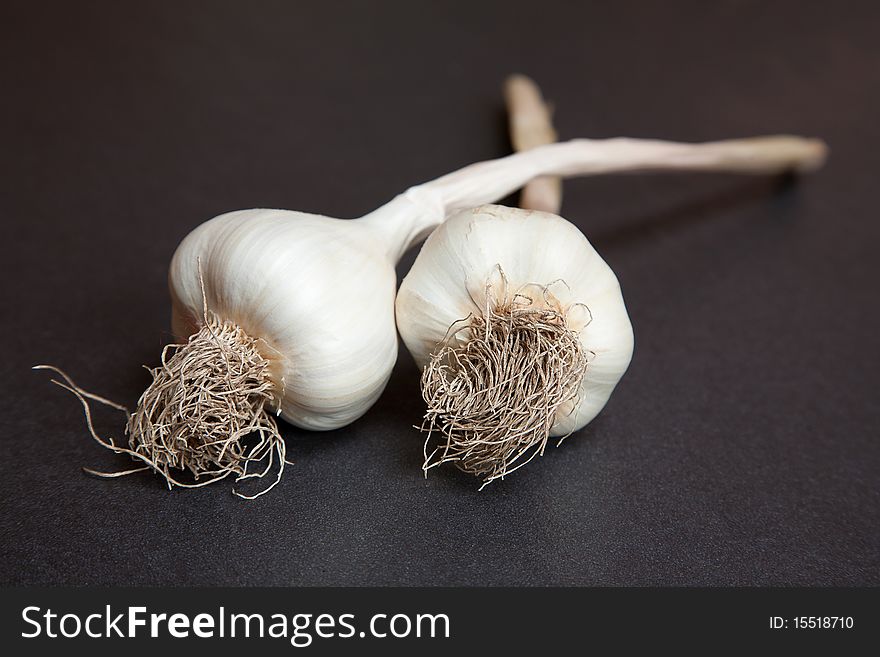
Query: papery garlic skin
x=269, y=272
x=449, y=279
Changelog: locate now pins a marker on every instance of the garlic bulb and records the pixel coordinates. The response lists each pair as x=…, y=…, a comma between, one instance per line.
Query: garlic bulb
x=518, y=324
x=557, y=311
x=316, y=291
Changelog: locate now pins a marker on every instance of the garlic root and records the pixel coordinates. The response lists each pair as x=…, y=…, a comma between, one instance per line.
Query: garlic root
x=205, y=399
x=531, y=125
x=494, y=385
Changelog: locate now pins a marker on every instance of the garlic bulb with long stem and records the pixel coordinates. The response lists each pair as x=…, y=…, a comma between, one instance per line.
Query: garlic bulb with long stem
x=293, y=314
x=519, y=325
x=521, y=331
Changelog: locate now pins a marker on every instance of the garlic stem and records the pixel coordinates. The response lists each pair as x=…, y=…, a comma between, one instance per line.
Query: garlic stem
x=531, y=125
x=489, y=181
x=411, y=216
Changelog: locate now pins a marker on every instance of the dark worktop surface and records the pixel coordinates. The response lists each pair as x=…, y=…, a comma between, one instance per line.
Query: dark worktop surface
x=741, y=448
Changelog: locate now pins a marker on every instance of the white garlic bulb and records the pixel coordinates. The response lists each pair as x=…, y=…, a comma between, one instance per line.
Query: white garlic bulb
x=518, y=324
x=505, y=261
x=546, y=260
x=318, y=292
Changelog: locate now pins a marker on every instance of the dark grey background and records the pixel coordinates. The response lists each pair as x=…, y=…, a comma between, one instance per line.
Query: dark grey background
x=741, y=447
